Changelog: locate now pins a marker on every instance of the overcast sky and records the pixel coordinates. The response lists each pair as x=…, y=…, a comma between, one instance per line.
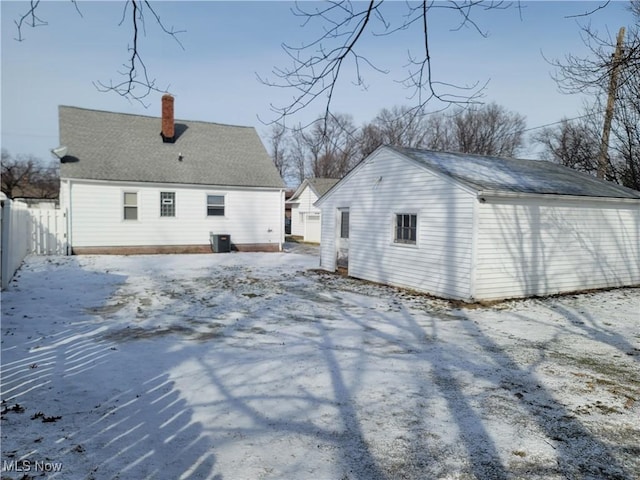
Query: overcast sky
x=228, y=44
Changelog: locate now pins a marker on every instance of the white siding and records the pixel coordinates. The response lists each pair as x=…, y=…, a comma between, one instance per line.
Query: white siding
x=383, y=186
x=537, y=247
x=299, y=214
x=252, y=216
x=297, y=224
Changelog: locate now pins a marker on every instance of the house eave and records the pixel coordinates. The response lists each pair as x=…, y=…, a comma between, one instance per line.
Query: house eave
x=172, y=184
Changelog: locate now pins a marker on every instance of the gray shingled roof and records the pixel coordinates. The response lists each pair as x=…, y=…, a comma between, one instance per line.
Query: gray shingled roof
x=486, y=173
x=322, y=185
x=122, y=147
x=319, y=185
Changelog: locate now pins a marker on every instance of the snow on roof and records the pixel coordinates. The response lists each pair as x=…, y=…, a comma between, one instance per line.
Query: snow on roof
x=497, y=174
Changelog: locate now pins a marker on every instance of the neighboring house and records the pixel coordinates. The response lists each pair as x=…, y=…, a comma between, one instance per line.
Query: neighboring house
x=305, y=217
x=137, y=184
x=479, y=228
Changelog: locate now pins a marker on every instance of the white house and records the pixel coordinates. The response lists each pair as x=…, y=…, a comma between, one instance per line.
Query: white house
x=137, y=184
x=305, y=216
x=479, y=228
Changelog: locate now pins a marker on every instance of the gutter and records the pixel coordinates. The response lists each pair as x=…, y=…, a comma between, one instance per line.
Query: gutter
x=485, y=196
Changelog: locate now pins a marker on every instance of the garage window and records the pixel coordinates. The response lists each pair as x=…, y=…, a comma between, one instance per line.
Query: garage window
x=406, y=228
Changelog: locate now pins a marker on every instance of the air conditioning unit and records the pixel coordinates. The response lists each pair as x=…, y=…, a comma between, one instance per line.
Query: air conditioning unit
x=220, y=243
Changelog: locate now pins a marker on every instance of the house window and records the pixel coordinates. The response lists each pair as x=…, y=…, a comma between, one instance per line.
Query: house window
x=344, y=224
x=406, y=228
x=167, y=204
x=130, y=205
x=215, y=205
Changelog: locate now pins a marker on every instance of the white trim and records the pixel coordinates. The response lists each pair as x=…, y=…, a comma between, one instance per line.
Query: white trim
x=300, y=189
x=190, y=186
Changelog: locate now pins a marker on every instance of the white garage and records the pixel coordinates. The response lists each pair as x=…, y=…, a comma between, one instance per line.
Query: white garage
x=473, y=227
x=305, y=216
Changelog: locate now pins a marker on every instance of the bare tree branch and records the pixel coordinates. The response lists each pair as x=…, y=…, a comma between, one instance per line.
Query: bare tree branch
x=317, y=66
x=136, y=83
x=318, y=74
x=29, y=19
x=75, y=4
x=590, y=12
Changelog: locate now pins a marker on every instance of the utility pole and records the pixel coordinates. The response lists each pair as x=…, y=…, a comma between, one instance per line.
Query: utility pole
x=603, y=161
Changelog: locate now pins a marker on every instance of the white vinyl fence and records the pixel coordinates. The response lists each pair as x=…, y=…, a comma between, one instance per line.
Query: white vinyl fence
x=47, y=232
x=37, y=231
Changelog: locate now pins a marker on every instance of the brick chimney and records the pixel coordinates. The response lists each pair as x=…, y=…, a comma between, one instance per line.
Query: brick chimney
x=168, y=130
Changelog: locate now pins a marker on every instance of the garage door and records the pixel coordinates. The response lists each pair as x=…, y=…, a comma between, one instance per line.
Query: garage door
x=312, y=230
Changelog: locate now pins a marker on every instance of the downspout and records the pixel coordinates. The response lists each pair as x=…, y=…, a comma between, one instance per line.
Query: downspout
x=282, y=213
x=474, y=249
x=69, y=214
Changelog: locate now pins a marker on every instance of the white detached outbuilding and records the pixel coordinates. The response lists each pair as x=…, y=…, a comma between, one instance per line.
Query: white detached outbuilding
x=305, y=216
x=473, y=227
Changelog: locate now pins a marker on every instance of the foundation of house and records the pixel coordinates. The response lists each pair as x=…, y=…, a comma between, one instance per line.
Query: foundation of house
x=169, y=249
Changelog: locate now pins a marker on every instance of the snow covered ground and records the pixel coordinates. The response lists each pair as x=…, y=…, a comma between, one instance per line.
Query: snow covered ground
x=256, y=366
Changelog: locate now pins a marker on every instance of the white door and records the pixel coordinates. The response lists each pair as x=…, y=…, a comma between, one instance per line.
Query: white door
x=343, y=238
x=312, y=228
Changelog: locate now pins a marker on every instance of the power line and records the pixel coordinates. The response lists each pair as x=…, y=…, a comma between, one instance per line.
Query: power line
x=561, y=121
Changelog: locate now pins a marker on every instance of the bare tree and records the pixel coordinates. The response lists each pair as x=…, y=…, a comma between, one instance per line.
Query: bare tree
x=323, y=151
x=332, y=149
x=14, y=173
x=573, y=144
x=592, y=74
x=626, y=132
x=487, y=130
x=333, y=146
x=297, y=154
x=136, y=82
x=27, y=176
x=577, y=74
x=395, y=126
x=277, y=141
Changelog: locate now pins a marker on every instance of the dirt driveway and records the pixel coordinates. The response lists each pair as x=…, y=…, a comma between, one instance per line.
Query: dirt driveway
x=252, y=366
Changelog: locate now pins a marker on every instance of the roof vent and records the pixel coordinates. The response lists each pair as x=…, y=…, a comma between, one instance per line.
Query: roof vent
x=168, y=127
